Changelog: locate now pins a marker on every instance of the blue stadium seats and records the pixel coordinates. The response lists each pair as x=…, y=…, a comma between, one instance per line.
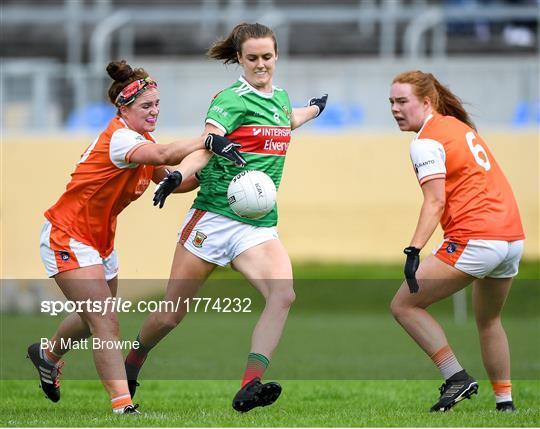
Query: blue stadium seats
x=527, y=113
x=91, y=117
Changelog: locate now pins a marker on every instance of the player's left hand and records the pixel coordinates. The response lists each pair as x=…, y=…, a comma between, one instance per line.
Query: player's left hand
x=319, y=102
x=411, y=265
x=166, y=187
x=225, y=148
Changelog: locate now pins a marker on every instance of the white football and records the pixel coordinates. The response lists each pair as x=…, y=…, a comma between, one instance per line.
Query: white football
x=251, y=194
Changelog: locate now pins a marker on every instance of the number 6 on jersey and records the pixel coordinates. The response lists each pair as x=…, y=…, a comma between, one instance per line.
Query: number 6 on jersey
x=476, y=150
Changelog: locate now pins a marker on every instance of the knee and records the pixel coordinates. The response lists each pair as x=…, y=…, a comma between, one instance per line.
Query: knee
x=166, y=322
x=400, y=308
x=282, y=298
x=396, y=308
x=487, y=324
x=104, y=326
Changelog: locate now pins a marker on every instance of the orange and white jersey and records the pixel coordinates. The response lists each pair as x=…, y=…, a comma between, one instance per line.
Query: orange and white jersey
x=480, y=203
x=104, y=182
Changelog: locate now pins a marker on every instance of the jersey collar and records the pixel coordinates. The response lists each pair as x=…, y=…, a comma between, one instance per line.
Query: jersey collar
x=256, y=91
x=430, y=116
x=145, y=135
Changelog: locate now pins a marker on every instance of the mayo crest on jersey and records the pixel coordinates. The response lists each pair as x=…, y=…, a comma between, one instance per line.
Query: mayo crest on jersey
x=104, y=182
x=261, y=123
x=480, y=204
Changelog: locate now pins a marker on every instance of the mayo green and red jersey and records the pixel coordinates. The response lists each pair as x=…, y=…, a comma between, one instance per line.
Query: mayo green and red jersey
x=261, y=123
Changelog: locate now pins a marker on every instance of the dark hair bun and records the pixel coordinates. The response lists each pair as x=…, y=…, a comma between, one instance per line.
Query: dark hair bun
x=119, y=70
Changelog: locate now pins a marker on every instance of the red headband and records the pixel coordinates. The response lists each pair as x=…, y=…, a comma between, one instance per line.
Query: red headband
x=133, y=90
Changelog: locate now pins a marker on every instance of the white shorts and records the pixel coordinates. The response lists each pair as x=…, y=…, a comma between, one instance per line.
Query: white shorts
x=219, y=239
x=60, y=252
x=482, y=258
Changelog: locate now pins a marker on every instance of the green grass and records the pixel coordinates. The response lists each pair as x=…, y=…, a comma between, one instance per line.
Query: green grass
x=302, y=404
x=315, y=345
x=343, y=361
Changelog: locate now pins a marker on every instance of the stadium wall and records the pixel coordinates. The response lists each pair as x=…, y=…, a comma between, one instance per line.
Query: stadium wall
x=498, y=93
x=345, y=197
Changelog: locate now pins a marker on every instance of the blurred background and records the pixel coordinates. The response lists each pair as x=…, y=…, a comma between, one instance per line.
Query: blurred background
x=349, y=200
x=349, y=193
x=54, y=54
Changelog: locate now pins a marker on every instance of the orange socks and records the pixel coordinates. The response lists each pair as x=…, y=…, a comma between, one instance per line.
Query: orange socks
x=120, y=402
x=446, y=361
x=50, y=356
x=502, y=390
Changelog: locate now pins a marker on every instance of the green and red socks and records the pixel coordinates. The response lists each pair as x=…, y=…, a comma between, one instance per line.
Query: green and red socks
x=135, y=359
x=256, y=366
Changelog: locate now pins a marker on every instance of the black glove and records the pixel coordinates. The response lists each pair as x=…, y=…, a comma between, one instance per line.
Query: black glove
x=411, y=265
x=166, y=186
x=319, y=102
x=225, y=148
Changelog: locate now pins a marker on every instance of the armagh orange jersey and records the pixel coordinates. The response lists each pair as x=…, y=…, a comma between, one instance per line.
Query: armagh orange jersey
x=102, y=185
x=480, y=203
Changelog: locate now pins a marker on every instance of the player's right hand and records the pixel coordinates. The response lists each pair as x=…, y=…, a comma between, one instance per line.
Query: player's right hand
x=411, y=265
x=225, y=148
x=166, y=187
x=319, y=102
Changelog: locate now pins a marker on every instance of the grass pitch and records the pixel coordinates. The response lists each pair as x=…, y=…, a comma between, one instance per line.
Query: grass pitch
x=378, y=403
x=343, y=362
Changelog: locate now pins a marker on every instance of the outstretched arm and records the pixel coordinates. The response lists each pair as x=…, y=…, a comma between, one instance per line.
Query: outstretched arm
x=166, y=154
x=301, y=115
x=175, y=153
x=196, y=161
x=188, y=184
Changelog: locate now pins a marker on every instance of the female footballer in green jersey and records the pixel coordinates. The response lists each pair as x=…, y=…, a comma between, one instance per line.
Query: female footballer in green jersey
x=258, y=115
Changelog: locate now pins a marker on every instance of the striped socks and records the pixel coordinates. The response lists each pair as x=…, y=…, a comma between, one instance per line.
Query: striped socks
x=120, y=402
x=502, y=390
x=446, y=361
x=49, y=356
x=256, y=365
x=135, y=359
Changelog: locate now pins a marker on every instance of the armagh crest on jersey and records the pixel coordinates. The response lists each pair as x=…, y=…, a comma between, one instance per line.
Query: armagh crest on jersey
x=261, y=123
